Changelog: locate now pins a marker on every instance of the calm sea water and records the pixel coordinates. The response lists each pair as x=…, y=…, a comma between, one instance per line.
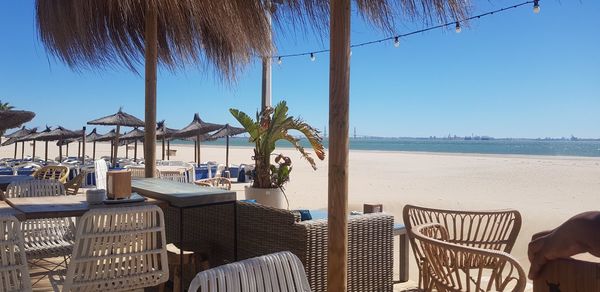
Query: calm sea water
x=512, y=146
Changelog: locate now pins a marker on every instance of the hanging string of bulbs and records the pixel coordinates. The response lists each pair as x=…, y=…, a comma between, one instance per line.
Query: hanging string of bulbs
x=396, y=38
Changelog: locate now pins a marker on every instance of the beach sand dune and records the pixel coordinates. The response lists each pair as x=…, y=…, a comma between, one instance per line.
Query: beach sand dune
x=546, y=190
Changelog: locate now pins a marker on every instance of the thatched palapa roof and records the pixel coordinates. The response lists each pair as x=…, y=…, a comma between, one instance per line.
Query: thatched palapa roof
x=196, y=127
x=16, y=136
x=106, y=137
x=59, y=133
x=135, y=134
x=163, y=132
x=226, y=131
x=12, y=119
x=121, y=118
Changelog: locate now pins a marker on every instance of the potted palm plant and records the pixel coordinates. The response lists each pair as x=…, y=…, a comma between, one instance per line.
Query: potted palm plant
x=272, y=125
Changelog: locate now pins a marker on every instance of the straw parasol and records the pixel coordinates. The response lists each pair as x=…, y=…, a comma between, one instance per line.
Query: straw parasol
x=91, y=137
x=14, y=136
x=12, y=119
x=163, y=133
x=134, y=135
x=110, y=136
x=31, y=137
x=57, y=134
x=196, y=129
x=120, y=119
x=226, y=132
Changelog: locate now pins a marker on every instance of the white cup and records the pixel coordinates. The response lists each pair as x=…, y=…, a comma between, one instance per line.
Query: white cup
x=95, y=196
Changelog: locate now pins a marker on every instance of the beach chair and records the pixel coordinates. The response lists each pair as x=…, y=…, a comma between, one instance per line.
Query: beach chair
x=492, y=230
x=136, y=171
x=281, y=271
x=58, y=172
x=179, y=175
x=14, y=274
x=100, y=170
x=116, y=249
x=455, y=268
x=72, y=186
x=216, y=182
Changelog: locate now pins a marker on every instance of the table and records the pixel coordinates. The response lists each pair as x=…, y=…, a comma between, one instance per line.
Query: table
x=60, y=206
x=5, y=180
x=185, y=196
x=6, y=209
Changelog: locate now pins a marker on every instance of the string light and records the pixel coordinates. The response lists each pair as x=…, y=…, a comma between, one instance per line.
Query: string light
x=396, y=38
x=458, y=28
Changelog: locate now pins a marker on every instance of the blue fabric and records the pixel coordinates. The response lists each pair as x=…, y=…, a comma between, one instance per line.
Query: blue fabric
x=241, y=175
x=25, y=172
x=318, y=214
x=6, y=171
x=253, y=201
x=398, y=226
x=305, y=215
x=234, y=171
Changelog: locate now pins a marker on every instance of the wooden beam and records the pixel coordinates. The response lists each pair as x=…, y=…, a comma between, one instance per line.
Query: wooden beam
x=339, y=94
x=33, y=152
x=266, y=99
x=46, y=153
x=83, y=141
x=151, y=46
x=115, y=145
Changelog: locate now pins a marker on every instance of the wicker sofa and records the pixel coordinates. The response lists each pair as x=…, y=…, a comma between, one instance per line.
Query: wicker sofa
x=264, y=230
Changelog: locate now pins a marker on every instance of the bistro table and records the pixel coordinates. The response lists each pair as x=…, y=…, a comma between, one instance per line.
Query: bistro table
x=5, y=180
x=184, y=196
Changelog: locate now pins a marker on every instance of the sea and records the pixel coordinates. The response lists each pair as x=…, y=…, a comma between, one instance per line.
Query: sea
x=585, y=148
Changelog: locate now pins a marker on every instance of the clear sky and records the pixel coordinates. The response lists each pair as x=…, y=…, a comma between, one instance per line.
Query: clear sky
x=514, y=74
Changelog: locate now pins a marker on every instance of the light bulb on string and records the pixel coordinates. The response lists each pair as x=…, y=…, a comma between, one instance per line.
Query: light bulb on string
x=396, y=42
x=458, y=29
x=312, y=57
x=536, y=6
x=279, y=61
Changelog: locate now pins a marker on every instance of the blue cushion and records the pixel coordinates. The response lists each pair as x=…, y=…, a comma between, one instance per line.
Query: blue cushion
x=318, y=214
x=253, y=201
x=305, y=215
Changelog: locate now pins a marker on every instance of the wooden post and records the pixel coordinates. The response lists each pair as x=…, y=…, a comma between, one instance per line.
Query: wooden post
x=339, y=95
x=127, y=150
x=151, y=54
x=198, y=150
x=83, y=141
x=163, y=148
x=227, y=153
x=195, y=152
x=168, y=149
x=266, y=67
x=23, y=150
x=116, y=146
x=33, y=154
x=46, y=154
x=94, y=150
x=78, y=149
x=135, y=151
x=17, y=147
x=60, y=154
x=67, y=154
x=112, y=149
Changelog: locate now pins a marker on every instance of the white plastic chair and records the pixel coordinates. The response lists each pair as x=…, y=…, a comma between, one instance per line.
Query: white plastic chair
x=280, y=271
x=14, y=275
x=117, y=249
x=100, y=170
x=47, y=237
x=136, y=171
x=174, y=175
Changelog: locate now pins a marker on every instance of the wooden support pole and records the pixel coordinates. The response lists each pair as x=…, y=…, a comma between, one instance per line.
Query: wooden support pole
x=23, y=150
x=168, y=149
x=116, y=146
x=112, y=149
x=46, y=154
x=127, y=150
x=163, y=148
x=67, y=154
x=266, y=67
x=195, y=152
x=83, y=141
x=60, y=154
x=94, y=151
x=198, y=150
x=135, y=151
x=78, y=149
x=16, y=148
x=339, y=94
x=151, y=47
x=33, y=153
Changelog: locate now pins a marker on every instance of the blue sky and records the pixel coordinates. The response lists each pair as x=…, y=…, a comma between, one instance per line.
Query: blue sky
x=514, y=74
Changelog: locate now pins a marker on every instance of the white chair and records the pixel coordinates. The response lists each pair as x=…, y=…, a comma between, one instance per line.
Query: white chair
x=100, y=170
x=220, y=170
x=117, y=249
x=179, y=175
x=136, y=171
x=14, y=275
x=47, y=237
x=280, y=271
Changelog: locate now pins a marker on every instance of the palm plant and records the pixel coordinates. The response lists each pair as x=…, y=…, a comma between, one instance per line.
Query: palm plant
x=272, y=125
x=4, y=106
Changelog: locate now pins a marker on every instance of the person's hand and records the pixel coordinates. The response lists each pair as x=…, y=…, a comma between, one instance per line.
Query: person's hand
x=551, y=245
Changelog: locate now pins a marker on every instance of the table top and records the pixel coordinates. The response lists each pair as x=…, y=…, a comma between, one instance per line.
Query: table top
x=61, y=206
x=181, y=194
x=6, y=209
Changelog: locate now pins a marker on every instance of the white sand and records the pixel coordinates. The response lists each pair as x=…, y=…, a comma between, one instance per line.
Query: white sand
x=546, y=190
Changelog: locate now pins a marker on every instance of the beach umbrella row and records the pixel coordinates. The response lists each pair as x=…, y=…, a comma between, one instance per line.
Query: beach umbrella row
x=196, y=129
x=226, y=132
x=119, y=119
x=12, y=138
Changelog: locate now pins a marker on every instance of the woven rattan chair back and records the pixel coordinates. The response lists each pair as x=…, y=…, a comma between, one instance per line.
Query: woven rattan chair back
x=72, y=186
x=136, y=171
x=216, y=182
x=456, y=268
x=280, y=271
x=492, y=230
x=58, y=172
x=14, y=275
x=118, y=249
x=100, y=170
x=179, y=175
x=35, y=188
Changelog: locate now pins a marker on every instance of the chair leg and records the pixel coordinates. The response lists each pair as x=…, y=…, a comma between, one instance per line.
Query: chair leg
x=176, y=279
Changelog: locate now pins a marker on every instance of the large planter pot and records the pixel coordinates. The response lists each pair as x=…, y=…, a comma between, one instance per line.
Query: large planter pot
x=269, y=197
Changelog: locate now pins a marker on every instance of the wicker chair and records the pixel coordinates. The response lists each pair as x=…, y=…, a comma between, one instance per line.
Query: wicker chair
x=117, y=249
x=58, y=172
x=217, y=182
x=136, y=171
x=72, y=186
x=490, y=230
x=455, y=268
x=281, y=271
x=48, y=237
x=14, y=275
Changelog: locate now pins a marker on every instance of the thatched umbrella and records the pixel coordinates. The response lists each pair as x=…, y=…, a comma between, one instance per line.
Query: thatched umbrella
x=110, y=136
x=13, y=119
x=57, y=134
x=226, y=132
x=134, y=135
x=163, y=133
x=196, y=129
x=91, y=137
x=120, y=119
x=32, y=137
x=12, y=137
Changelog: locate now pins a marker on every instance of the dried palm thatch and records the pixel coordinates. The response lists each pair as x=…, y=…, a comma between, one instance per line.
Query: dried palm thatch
x=227, y=131
x=59, y=133
x=162, y=132
x=20, y=133
x=225, y=34
x=110, y=136
x=121, y=118
x=196, y=128
x=12, y=119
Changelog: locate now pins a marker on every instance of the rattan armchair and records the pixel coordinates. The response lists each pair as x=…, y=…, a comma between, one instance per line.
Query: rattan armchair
x=14, y=274
x=58, y=172
x=72, y=186
x=215, y=182
x=491, y=230
x=452, y=267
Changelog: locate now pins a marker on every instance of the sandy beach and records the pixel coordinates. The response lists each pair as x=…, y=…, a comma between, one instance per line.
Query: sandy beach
x=546, y=190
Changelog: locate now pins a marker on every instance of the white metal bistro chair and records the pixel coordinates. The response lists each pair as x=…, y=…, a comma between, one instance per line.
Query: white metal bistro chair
x=117, y=249
x=280, y=271
x=14, y=275
x=179, y=175
x=100, y=170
